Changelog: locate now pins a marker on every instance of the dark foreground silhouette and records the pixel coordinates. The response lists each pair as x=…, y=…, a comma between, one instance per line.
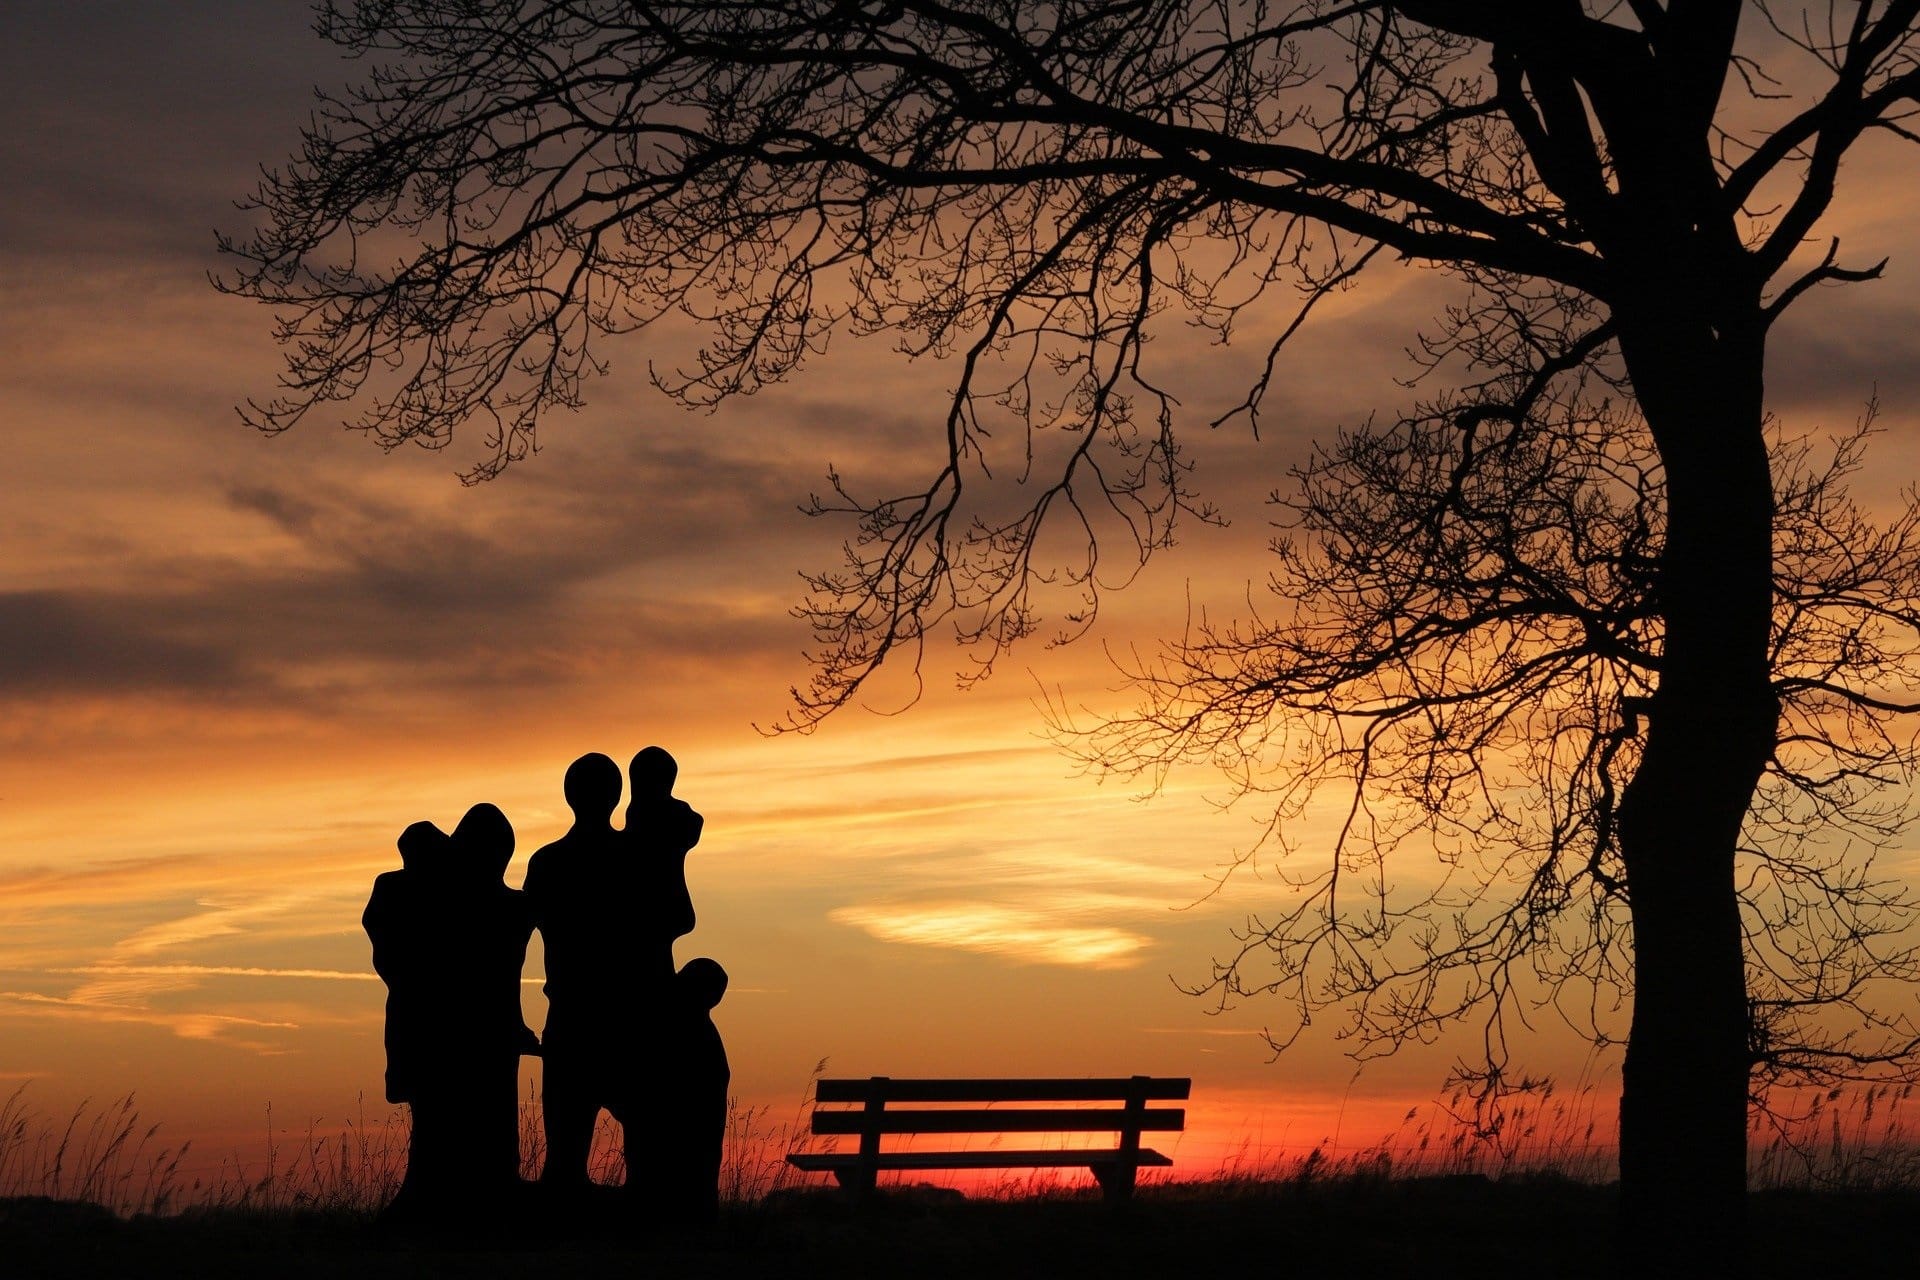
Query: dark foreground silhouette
x=450, y=938
x=1432, y=1229
x=624, y=1031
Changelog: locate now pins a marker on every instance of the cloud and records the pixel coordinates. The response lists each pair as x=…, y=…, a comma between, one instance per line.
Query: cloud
x=215, y=921
x=1838, y=347
x=252, y=971
x=370, y=596
x=117, y=140
x=219, y=971
x=1014, y=933
x=151, y=881
x=192, y=1024
x=133, y=980
x=118, y=980
x=57, y=640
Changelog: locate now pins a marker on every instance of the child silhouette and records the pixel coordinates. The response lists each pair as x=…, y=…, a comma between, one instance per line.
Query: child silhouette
x=686, y=1186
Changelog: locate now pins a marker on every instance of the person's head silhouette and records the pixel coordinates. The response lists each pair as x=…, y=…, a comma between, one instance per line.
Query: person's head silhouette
x=653, y=772
x=423, y=847
x=702, y=982
x=592, y=787
x=485, y=840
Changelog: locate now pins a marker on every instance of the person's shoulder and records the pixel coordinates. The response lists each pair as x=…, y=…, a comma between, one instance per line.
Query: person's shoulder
x=381, y=903
x=550, y=854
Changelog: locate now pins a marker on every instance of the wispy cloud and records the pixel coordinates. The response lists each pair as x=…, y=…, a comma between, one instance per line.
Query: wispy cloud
x=244, y=971
x=214, y=919
x=1011, y=932
x=217, y=971
x=134, y=980
x=193, y=1025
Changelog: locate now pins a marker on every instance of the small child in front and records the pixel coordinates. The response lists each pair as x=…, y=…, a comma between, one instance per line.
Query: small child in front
x=696, y=1126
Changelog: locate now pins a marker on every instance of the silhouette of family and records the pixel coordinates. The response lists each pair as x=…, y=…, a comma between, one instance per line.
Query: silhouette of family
x=626, y=1032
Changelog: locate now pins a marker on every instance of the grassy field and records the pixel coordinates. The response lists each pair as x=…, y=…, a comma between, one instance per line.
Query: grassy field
x=96, y=1194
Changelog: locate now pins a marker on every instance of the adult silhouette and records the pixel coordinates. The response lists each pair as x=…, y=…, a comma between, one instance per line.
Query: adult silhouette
x=609, y=905
x=579, y=888
x=450, y=939
x=678, y=1183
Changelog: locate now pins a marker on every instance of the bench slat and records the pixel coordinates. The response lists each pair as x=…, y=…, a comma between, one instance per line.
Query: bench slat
x=1053, y=1159
x=1158, y=1088
x=1011, y=1120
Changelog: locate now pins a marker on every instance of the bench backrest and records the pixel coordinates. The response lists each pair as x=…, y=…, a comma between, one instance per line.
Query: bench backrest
x=876, y=1116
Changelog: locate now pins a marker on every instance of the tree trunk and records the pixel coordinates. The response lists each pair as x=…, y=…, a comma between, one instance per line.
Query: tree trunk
x=1683, y=1106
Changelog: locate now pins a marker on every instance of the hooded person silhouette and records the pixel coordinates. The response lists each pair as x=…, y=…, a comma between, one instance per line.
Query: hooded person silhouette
x=450, y=939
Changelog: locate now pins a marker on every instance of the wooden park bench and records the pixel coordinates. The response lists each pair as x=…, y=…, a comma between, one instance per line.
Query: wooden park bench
x=868, y=1115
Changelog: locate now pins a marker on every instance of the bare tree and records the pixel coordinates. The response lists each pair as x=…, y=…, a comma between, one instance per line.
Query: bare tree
x=1465, y=637
x=1025, y=188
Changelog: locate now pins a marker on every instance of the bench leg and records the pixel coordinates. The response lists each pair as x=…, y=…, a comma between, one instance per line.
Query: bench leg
x=857, y=1183
x=1116, y=1181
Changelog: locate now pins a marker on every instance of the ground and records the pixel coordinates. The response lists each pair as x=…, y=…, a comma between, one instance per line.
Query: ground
x=1430, y=1228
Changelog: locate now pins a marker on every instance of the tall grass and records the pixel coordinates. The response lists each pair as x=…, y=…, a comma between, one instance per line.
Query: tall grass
x=1546, y=1133
x=354, y=1169
x=101, y=1155
x=1859, y=1139
x=1866, y=1138
x=1862, y=1138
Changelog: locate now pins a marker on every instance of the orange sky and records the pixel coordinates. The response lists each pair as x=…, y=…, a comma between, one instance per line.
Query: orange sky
x=233, y=668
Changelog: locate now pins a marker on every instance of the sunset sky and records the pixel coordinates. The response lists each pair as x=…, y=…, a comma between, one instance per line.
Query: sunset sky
x=232, y=668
